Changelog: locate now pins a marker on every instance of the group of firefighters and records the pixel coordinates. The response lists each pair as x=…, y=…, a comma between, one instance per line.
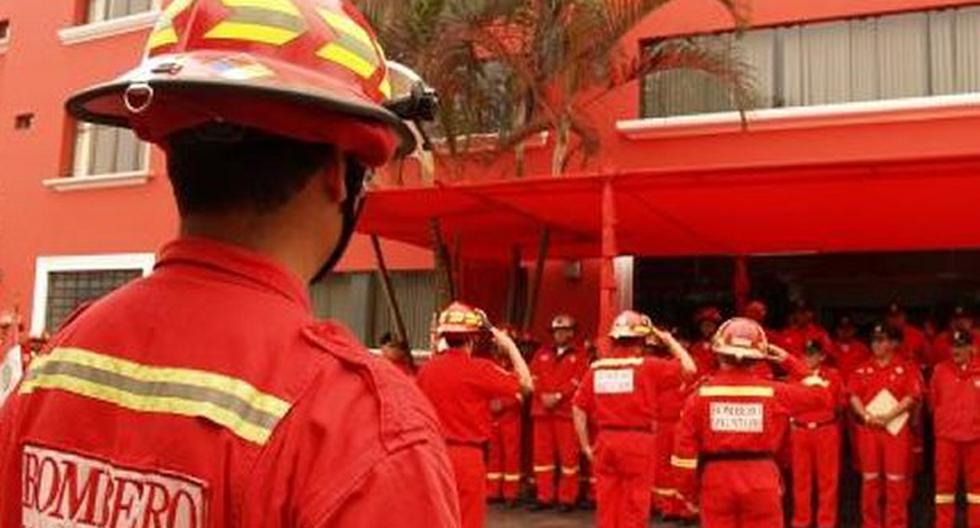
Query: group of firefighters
x=709, y=429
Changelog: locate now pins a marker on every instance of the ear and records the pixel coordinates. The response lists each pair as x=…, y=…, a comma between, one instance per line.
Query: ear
x=333, y=178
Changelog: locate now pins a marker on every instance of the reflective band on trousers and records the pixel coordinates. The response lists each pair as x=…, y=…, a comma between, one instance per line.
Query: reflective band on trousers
x=945, y=498
x=973, y=498
x=684, y=463
x=229, y=402
x=569, y=470
x=543, y=469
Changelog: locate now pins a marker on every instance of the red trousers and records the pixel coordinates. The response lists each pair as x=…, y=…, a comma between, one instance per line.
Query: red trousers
x=504, y=457
x=741, y=494
x=816, y=460
x=666, y=497
x=886, y=462
x=952, y=460
x=624, y=463
x=555, y=440
x=470, y=474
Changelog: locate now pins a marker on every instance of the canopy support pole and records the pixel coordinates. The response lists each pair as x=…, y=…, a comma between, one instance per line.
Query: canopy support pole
x=389, y=291
x=741, y=283
x=535, y=289
x=608, y=294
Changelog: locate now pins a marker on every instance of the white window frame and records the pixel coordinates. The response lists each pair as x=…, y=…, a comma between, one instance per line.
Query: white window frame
x=85, y=32
x=81, y=153
x=46, y=265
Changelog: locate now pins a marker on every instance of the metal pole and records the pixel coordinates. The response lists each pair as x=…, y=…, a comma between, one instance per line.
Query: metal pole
x=535, y=290
x=389, y=291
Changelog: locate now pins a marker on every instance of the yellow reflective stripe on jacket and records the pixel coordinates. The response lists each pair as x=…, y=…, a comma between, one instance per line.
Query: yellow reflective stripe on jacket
x=232, y=403
x=617, y=362
x=683, y=463
x=945, y=498
x=736, y=391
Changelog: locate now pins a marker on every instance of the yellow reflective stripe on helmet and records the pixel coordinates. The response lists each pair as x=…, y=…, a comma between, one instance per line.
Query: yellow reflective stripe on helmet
x=282, y=6
x=252, y=33
x=232, y=403
x=736, y=391
x=973, y=498
x=683, y=463
x=617, y=362
x=164, y=32
x=343, y=24
x=945, y=498
x=163, y=37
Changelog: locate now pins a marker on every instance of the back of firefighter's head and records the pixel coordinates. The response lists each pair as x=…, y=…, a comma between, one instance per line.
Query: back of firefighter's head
x=270, y=127
x=885, y=340
x=463, y=327
x=964, y=346
x=563, y=328
x=814, y=353
x=756, y=310
x=740, y=342
x=707, y=320
x=629, y=333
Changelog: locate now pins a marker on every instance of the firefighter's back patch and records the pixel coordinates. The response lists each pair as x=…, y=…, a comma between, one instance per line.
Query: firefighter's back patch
x=61, y=489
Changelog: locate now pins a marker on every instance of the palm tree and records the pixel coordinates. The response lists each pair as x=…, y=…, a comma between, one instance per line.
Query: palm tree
x=522, y=67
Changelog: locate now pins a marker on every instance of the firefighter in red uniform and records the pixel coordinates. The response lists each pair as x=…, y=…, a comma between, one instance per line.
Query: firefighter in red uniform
x=206, y=395
x=848, y=352
x=399, y=353
x=707, y=320
x=671, y=395
x=915, y=346
x=758, y=311
x=733, y=425
x=504, y=450
x=883, y=393
x=816, y=444
x=802, y=330
x=620, y=392
x=954, y=394
x=461, y=388
x=558, y=370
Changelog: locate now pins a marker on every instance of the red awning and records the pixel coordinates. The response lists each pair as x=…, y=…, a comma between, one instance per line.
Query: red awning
x=917, y=205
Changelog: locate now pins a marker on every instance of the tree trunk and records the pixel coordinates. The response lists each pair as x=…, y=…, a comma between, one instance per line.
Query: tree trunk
x=562, y=136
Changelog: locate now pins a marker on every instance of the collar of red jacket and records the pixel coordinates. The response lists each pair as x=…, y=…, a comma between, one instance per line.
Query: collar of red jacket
x=241, y=263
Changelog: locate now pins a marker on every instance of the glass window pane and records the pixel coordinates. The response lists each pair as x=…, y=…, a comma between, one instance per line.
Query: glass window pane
x=128, y=151
x=69, y=289
x=902, y=55
x=967, y=73
x=103, y=149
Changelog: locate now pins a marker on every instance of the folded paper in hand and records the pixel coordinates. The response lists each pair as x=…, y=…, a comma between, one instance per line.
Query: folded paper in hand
x=883, y=403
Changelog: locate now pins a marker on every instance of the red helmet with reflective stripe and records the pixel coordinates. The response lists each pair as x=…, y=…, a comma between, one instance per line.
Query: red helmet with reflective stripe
x=630, y=324
x=306, y=69
x=459, y=318
x=742, y=338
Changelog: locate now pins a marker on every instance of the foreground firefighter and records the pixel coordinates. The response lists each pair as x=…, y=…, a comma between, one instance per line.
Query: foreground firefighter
x=462, y=387
x=733, y=425
x=619, y=392
x=205, y=395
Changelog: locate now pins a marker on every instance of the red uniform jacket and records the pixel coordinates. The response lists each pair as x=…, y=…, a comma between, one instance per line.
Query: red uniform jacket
x=461, y=387
x=900, y=377
x=736, y=412
x=848, y=356
x=794, y=340
x=621, y=393
x=554, y=373
x=704, y=358
x=830, y=412
x=954, y=393
x=672, y=391
x=206, y=396
x=915, y=346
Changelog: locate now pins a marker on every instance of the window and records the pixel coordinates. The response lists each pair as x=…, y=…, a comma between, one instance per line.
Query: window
x=4, y=32
x=358, y=300
x=102, y=10
x=62, y=283
x=888, y=57
x=101, y=150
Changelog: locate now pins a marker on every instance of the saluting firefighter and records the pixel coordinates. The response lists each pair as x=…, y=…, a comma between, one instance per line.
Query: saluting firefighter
x=504, y=450
x=883, y=393
x=461, y=388
x=619, y=393
x=954, y=394
x=733, y=425
x=557, y=369
x=816, y=447
x=206, y=395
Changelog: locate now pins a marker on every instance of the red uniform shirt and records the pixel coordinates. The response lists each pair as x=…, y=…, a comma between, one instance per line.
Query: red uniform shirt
x=915, y=346
x=848, y=356
x=900, y=377
x=705, y=359
x=942, y=347
x=206, y=396
x=794, y=340
x=461, y=387
x=622, y=392
x=829, y=412
x=954, y=393
x=557, y=373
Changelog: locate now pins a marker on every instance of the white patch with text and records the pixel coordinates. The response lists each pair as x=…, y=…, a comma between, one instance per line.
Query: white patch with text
x=619, y=381
x=737, y=417
x=60, y=490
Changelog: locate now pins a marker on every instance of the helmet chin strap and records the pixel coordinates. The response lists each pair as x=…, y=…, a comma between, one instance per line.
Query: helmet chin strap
x=351, y=208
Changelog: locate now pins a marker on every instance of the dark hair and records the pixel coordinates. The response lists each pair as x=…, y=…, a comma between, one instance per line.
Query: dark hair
x=459, y=340
x=218, y=167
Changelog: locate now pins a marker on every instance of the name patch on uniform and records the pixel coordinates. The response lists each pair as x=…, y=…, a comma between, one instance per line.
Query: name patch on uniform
x=737, y=417
x=60, y=489
x=618, y=381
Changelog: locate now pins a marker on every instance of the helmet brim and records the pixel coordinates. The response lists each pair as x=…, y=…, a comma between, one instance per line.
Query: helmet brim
x=199, y=87
x=738, y=352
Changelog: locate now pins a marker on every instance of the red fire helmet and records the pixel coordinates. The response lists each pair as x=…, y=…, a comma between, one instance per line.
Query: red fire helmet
x=459, y=318
x=630, y=324
x=742, y=338
x=306, y=69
